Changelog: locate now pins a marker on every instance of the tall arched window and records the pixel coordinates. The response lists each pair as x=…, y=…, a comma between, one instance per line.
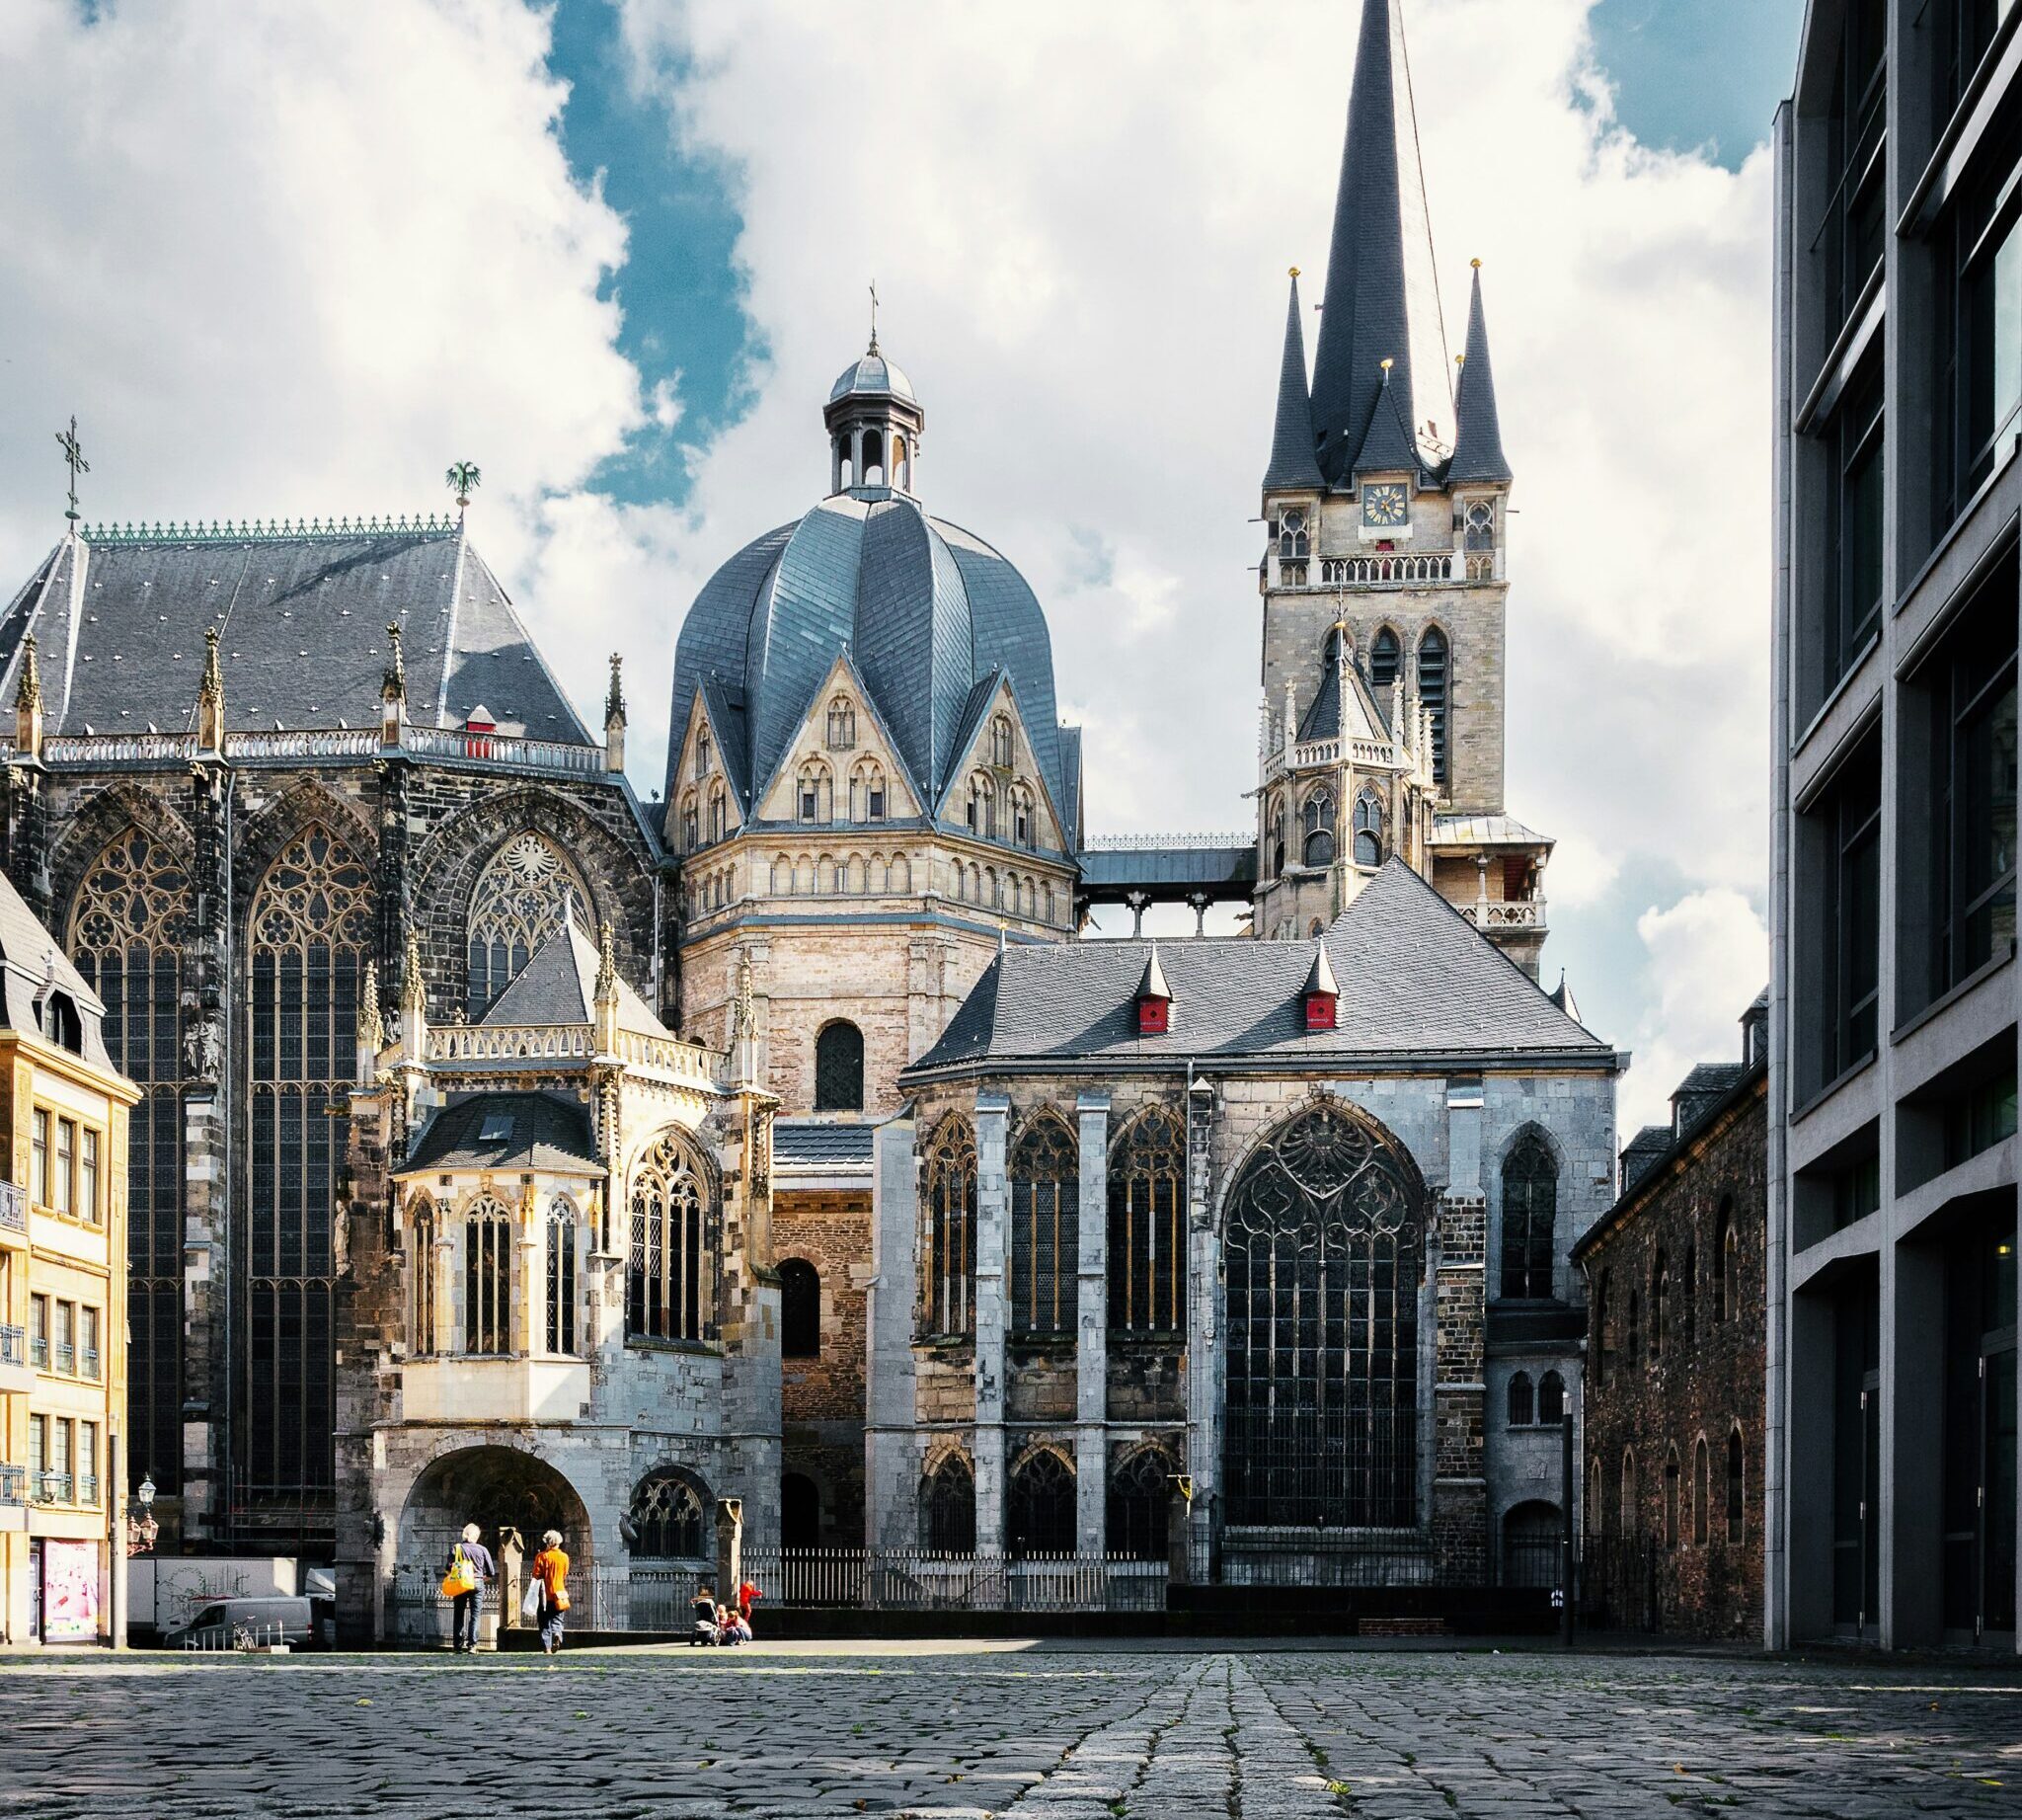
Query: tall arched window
x=128, y=923
x=1275, y=838
x=1000, y=743
x=1702, y=1491
x=1148, y=1225
x=1322, y=1263
x=1737, y=1513
x=1631, y=1332
x=1369, y=830
x=1632, y=1505
x=1045, y=1244
x=842, y=725
x=1433, y=682
x=670, y=1282
x=800, y=1310
x=718, y=812
x=1730, y=1256
x=800, y=1511
x=1316, y=829
x=1523, y=1405
x=1041, y=1507
x=424, y=1231
x=1551, y=1399
x=948, y=1508
x=561, y=1299
x=1531, y=1211
x=948, y=1203
x=1594, y=1509
x=486, y=1278
x=310, y=930
x=692, y=825
x=813, y=793
x=527, y=893
x=1660, y=1296
x=1139, y=1502
x=983, y=808
x=667, y=1518
x=1384, y=660
x=1671, y=1532
x=1604, y=1328
x=1688, y=1297
x=840, y=1068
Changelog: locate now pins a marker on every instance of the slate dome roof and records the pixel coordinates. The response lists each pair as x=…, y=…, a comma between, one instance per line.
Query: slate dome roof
x=930, y=615
x=872, y=377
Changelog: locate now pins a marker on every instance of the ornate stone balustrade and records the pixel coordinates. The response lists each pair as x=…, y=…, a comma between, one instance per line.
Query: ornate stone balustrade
x=504, y=748
x=313, y=745
x=1394, y=568
x=1153, y=843
x=344, y=742
x=510, y=1043
x=1492, y=915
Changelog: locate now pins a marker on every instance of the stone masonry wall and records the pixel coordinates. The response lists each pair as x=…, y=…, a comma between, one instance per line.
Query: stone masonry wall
x=822, y=1398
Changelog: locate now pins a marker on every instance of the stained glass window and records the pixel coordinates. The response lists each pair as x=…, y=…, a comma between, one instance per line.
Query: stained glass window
x=1148, y=1225
x=671, y=1285
x=1046, y=1196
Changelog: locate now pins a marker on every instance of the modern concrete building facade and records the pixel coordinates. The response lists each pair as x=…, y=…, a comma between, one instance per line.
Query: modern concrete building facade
x=1893, y=1363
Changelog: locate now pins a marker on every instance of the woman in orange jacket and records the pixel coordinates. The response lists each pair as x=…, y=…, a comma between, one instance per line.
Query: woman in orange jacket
x=551, y=1577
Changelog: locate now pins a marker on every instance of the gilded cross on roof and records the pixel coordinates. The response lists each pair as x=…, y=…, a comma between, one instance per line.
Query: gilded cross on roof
x=874, y=315
x=73, y=459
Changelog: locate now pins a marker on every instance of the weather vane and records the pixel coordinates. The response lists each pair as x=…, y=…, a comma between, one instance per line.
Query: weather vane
x=73, y=459
x=462, y=480
x=874, y=315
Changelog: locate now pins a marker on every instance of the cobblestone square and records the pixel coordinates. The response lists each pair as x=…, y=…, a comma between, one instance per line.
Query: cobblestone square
x=964, y=1731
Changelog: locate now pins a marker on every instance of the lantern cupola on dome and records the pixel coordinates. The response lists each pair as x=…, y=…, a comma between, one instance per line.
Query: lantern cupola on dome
x=874, y=428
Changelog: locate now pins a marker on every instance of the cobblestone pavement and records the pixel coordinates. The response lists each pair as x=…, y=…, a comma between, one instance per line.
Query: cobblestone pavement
x=1040, y=1735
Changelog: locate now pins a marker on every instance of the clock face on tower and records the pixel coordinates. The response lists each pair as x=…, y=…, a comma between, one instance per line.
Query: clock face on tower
x=1385, y=505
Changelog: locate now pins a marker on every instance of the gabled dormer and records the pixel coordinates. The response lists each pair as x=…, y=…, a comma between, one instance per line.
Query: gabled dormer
x=843, y=767
x=996, y=789
x=703, y=803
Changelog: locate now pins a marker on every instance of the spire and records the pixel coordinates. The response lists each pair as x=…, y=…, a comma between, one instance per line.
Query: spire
x=413, y=989
x=1294, y=463
x=614, y=719
x=1478, y=441
x=211, y=699
x=1363, y=317
x=606, y=965
x=372, y=1027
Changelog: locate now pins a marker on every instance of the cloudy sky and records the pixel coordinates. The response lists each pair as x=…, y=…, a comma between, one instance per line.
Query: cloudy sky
x=291, y=257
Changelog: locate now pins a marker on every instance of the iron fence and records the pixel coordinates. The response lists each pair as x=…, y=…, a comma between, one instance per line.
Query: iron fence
x=247, y=1640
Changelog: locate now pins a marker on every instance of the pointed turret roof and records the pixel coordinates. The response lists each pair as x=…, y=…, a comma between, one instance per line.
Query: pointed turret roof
x=1320, y=976
x=1389, y=447
x=1478, y=441
x=1362, y=316
x=1151, y=985
x=1293, y=461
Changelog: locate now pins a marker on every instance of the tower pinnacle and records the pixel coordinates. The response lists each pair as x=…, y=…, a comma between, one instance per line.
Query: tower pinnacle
x=1294, y=463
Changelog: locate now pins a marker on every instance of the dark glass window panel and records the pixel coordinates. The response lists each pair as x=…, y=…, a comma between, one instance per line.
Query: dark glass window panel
x=800, y=1310
x=1137, y=1508
x=1433, y=688
x=1531, y=1201
x=947, y=1510
x=840, y=1068
x=1040, y=1511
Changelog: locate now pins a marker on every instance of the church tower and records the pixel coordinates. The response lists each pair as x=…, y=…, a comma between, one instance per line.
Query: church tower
x=1384, y=578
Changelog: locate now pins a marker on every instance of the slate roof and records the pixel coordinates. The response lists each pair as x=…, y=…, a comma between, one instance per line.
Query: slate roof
x=1642, y=1152
x=542, y=1131
x=1294, y=460
x=1322, y=721
x=926, y=610
x=1417, y=981
x=872, y=377
x=119, y=625
x=1478, y=441
x=31, y=962
x=558, y=986
x=822, y=1144
x=1461, y=830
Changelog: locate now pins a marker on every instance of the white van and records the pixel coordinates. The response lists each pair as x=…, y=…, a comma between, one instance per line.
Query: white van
x=300, y=1624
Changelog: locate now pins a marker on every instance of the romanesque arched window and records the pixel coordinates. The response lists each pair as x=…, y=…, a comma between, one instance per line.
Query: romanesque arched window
x=1321, y=1262
x=842, y=725
x=1040, y=1510
x=1433, y=680
x=128, y=921
x=868, y=797
x=1727, y=1263
x=719, y=802
x=800, y=1310
x=1139, y=1498
x=670, y=1281
x=1522, y=1400
x=1736, y=1467
x=1046, y=1245
x=1002, y=750
x=691, y=823
x=668, y=1518
x=562, y=1227
x=948, y=1508
x=1593, y=1496
x=1024, y=818
x=702, y=750
x=948, y=1209
x=487, y=1277
x=1147, y=1223
x=982, y=807
x=1316, y=829
x=310, y=930
x=1688, y=1297
x=840, y=1068
x=1702, y=1491
x=1369, y=830
x=813, y=793
x=1632, y=1337
x=1384, y=660
x=1531, y=1211
x=423, y=1231
x=1551, y=1399
x=527, y=893
x=1659, y=1298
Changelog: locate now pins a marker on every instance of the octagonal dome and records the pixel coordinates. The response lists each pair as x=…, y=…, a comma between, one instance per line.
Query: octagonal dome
x=872, y=377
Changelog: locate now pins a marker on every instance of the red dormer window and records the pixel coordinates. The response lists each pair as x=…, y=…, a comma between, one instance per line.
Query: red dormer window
x=1320, y=1010
x=1154, y=1016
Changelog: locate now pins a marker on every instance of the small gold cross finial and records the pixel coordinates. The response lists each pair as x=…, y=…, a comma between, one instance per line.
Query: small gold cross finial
x=73, y=459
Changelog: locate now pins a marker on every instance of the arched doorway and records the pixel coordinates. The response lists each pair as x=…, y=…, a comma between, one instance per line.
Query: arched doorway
x=513, y=1498
x=1322, y=1258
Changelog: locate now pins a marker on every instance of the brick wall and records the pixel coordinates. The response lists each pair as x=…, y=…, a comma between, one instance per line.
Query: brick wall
x=821, y=1399
x=1705, y=1377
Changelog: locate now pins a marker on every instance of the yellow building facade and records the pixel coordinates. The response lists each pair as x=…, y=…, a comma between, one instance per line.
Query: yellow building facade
x=62, y=1299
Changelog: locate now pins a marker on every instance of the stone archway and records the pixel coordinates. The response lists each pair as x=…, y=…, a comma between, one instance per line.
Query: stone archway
x=513, y=1497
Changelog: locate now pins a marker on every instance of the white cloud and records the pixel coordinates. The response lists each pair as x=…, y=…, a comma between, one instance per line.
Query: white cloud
x=1708, y=957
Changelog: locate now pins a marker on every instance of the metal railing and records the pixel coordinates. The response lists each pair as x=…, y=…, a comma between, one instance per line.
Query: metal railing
x=13, y=1485
x=923, y=1580
x=39, y=1353
x=89, y=1363
x=87, y=1488
x=225, y=1639
x=13, y=1206
x=66, y=1359
x=1152, y=843
x=13, y=1345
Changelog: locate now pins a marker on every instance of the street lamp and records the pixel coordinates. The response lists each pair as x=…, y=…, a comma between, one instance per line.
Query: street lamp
x=141, y=1529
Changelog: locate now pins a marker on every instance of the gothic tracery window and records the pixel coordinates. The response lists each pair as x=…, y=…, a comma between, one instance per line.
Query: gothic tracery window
x=127, y=927
x=526, y=894
x=1045, y=1244
x=948, y=1205
x=1139, y=1498
x=667, y=1517
x=311, y=928
x=1148, y=1225
x=669, y=1282
x=1322, y=1264
x=563, y=1227
x=421, y=1227
x=486, y=1278
x=1369, y=830
x=1316, y=829
x=1040, y=1510
x=1530, y=1205
x=948, y=1508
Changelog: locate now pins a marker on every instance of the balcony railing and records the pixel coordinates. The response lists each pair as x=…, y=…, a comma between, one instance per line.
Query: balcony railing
x=13, y=1485
x=53, y=1489
x=66, y=1359
x=87, y=1489
x=39, y=1353
x=294, y=745
x=89, y=1361
x=1305, y=755
x=550, y=1043
x=1393, y=569
x=13, y=1206
x=13, y=1345
x=1527, y=913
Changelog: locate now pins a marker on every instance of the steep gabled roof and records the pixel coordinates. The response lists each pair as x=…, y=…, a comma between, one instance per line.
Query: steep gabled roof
x=1478, y=457
x=559, y=986
x=529, y=1130
x=1294, y=459
x=1416, y=981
